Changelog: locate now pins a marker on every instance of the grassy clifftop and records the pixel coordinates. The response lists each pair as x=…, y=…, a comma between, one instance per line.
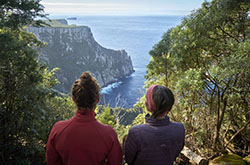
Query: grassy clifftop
x=59, y=23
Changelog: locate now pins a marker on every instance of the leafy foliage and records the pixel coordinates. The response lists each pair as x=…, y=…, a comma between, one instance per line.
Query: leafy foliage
x=120, y=119
x=20, y=75
x=15, y=14
x=27, y=111
x=205, y=61
x=105, y=116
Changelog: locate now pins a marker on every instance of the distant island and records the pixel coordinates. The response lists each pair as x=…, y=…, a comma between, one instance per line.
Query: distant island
x=71, y=18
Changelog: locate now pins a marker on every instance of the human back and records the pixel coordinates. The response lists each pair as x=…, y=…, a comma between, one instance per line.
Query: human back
x=158, y=141
x=82, y=139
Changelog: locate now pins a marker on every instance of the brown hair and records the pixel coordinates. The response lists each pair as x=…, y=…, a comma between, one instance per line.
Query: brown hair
x=163, y=100
x=85, y=91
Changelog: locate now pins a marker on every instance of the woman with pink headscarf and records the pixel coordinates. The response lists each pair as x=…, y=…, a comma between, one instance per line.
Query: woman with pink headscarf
x=159, y=141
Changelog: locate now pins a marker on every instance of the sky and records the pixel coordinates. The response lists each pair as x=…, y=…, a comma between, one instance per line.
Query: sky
x=120, y=7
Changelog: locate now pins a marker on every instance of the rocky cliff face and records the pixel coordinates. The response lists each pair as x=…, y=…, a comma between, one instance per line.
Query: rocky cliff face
x=74, y=50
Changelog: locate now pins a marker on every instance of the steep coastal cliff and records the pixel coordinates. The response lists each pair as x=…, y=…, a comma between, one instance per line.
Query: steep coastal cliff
x=74, y=50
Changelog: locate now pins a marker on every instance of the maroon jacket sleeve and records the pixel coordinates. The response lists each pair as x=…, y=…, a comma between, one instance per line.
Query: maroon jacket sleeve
x=52, y=157
x=130, y=147
x=115, y=154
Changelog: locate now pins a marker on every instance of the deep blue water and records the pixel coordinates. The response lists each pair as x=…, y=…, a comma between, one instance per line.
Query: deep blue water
x=137, y=35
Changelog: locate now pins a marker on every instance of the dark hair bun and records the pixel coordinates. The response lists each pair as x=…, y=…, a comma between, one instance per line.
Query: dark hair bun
x=86, y=91
x=86, y=78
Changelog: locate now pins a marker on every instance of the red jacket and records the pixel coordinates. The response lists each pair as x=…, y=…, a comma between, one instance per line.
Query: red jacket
x=83, y=140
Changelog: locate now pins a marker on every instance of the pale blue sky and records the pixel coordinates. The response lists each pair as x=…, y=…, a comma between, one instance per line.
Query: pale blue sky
x=121, y=7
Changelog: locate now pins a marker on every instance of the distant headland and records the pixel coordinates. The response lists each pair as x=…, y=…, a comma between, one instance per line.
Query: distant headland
x=73, y=50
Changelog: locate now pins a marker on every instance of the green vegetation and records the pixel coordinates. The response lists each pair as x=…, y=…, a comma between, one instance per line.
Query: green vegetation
x=230, y=159
x=205, y=61
x=106, y=116
x=28, y=105
x=58, y=23
x=247, y=159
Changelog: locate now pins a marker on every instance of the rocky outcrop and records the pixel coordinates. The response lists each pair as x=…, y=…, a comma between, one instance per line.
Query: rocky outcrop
x=74, y=50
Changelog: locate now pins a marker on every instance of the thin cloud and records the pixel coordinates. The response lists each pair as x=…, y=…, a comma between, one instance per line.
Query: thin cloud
x=67, y=4
x=116, y=8
x=84, y=8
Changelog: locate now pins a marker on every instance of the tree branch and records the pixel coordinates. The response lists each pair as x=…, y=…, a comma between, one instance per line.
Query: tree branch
x=239, y=131
x=228, y=34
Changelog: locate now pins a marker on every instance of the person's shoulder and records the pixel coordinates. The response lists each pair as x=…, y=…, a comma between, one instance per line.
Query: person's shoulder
x=62, y=122
x=137, y=128
x=105, y=127
x=178, y=126
x=59, y=125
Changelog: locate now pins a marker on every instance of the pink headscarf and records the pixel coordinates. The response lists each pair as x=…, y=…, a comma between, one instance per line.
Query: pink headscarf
x=149, y=99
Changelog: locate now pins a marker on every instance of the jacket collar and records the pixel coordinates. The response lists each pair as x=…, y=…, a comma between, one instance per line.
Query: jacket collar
x=85, y=115
x=157, y=122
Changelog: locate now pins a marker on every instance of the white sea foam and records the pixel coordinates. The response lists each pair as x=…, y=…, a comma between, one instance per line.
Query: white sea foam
x=108, y=89
x=132, y=75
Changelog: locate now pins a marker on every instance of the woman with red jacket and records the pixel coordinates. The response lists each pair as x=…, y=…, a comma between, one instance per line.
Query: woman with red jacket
x=82, y=139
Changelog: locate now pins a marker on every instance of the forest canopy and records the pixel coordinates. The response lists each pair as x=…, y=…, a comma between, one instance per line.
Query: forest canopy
x=28, y=105
x=205, y=61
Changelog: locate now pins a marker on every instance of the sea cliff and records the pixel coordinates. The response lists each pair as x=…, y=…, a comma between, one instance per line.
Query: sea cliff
x=73, y=49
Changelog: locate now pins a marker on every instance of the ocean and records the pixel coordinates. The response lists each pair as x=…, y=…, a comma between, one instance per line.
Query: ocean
x=135, y=34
